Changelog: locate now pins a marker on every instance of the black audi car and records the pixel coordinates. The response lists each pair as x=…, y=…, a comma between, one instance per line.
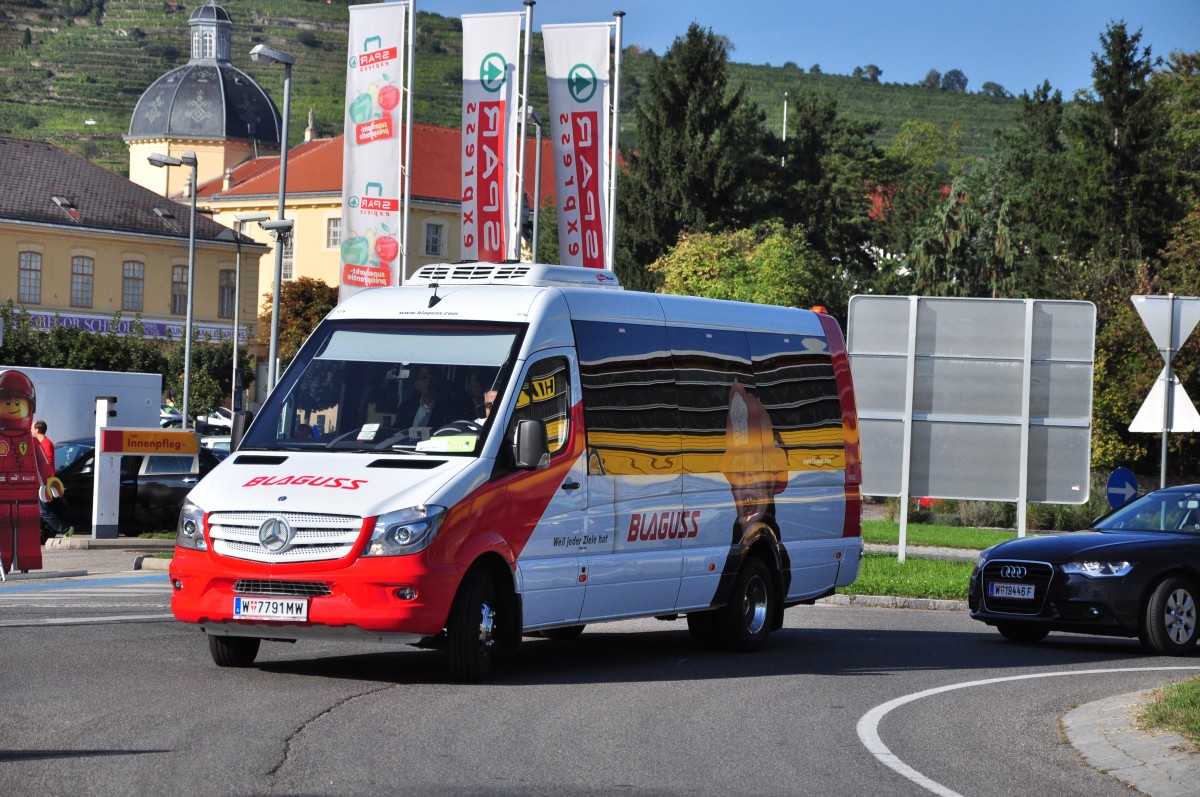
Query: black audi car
x=1135, y=572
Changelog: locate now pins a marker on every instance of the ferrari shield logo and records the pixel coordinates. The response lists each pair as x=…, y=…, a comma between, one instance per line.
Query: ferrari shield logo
x=23, y=448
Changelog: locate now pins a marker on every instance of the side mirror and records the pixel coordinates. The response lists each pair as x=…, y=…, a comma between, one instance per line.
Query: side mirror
x=531, y=450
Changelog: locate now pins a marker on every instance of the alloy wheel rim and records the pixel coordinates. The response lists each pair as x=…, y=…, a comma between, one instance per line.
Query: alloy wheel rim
x=754, y=605
x=1180, y=616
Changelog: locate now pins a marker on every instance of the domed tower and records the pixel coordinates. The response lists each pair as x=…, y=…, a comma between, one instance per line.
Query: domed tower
x=207, y=106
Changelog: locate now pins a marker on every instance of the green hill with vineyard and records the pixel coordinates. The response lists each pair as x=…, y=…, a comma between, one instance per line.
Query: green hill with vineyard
x=71, y=72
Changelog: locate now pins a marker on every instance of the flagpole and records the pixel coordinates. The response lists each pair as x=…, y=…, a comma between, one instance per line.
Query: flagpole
x=612, y=160
x=406, y=165
x=514, y=246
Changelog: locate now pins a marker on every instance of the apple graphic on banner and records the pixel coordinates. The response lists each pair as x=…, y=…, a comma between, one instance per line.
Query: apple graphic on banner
x=389, y=97
x=386, y=248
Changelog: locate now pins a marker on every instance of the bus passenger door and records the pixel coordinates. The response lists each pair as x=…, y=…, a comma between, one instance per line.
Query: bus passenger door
x=549, y=568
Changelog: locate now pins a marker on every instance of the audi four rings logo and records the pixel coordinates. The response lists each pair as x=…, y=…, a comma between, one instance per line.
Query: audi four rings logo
x=1008, y=571
x=275, y=534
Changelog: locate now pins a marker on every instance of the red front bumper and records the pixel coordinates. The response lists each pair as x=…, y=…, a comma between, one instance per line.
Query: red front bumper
x=363, y=592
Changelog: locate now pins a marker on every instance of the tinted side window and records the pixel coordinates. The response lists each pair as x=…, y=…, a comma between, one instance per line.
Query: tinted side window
x=708, y=362
x=630, y=398
x=794, y=378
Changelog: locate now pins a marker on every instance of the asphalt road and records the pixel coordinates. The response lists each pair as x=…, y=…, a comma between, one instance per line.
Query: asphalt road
x=94, y=704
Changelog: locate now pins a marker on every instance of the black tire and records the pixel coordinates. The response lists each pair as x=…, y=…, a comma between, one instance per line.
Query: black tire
x=1169, y=617
x=567, y=634
x=703, y=629
x=471, y=631
x=1022, y=634
x=745, y=622
x=233, y=651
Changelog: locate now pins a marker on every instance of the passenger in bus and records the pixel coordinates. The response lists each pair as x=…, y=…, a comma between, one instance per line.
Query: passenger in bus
x=434, y=402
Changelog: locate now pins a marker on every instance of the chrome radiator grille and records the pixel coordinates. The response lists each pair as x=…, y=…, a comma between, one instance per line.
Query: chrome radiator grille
x=310, y=537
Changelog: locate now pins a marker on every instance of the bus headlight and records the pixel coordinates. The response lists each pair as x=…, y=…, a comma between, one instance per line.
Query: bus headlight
x=189, y=533
x=405, y=531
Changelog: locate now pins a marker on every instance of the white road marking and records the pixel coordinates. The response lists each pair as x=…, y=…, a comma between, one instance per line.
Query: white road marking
x=868, y=725
x=110, y=618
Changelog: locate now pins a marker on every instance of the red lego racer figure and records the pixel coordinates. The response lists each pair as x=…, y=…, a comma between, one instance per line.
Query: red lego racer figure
x=24, y=474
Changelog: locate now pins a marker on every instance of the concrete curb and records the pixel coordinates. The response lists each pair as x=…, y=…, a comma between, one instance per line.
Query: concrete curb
x=89, y=543
x=892, y=602
x=1107, y=737
x=151, y=563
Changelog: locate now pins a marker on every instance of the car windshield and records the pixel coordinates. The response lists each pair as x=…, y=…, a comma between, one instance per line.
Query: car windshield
x=1171, y=510
x=400, y=387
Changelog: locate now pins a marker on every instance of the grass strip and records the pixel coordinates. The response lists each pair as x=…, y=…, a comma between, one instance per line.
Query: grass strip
x=1175, y=708
x=887, y=532
x=939, y=579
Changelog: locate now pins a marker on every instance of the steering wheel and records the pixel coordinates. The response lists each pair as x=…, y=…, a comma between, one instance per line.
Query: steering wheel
x=458, y=427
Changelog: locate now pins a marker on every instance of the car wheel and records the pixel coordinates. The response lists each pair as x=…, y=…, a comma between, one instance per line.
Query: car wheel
x=1169, y=617
x=567, y=634
x=745, y=622
x=1022, y=634
x=471, y=631
x=233, y=651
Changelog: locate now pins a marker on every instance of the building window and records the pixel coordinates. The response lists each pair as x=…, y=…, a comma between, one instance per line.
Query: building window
x=333, y=233
x=227, y=293
x=29, y=287
x=132, y=285
x=289, y=251
x=82, y=270
x=179, y=290
x=433, y=239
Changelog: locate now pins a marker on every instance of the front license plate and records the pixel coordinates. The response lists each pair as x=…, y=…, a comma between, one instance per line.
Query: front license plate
x=270, y=609
x=1001, y=589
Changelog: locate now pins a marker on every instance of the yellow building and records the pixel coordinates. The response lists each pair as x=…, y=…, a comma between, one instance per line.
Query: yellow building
x=79, y=244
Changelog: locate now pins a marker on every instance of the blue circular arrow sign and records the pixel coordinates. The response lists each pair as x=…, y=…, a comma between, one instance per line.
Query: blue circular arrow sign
x=493, y=71
x=1122, y=487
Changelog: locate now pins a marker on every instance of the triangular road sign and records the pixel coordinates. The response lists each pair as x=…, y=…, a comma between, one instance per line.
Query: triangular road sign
x=1157, y=312
x=1149, y=418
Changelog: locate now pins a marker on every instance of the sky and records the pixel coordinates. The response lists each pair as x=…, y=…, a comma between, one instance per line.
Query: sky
x=1015, y=43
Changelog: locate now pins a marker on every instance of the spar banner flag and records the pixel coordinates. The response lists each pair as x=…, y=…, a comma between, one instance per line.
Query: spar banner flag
x=371, y=158
x=577, y=71
x=491, y=50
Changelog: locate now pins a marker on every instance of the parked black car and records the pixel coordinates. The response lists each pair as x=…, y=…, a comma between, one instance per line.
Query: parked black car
x=152, y=486
x=1134, y=572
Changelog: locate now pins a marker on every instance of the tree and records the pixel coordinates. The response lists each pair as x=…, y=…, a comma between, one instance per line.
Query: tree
x=770, y=264
x=872, y=73
x=303, y=302
x=1125, y=181
x=994, y=90
x=933, y=80
x=827, y=161
x=699, y=160
x=954, y=80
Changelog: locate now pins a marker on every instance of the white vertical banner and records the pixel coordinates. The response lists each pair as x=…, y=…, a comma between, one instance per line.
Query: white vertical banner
x=371, y=159
x=577, y=70
x=491, y=110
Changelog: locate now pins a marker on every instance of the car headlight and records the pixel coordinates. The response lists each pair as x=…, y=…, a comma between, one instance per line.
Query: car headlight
x=189, y=533
x=981, y=560
x=1098, y=569
x=405, y=531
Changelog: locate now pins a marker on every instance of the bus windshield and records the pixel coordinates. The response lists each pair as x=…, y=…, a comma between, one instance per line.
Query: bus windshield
x=402, y=387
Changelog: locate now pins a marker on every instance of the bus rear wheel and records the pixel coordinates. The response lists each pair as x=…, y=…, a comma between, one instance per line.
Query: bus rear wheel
x=744, y=623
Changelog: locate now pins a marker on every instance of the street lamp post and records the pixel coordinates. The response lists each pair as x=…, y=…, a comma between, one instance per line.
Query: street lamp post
x=264, y=54
x=537, y=180
x=187, y=159
x=242, y=218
